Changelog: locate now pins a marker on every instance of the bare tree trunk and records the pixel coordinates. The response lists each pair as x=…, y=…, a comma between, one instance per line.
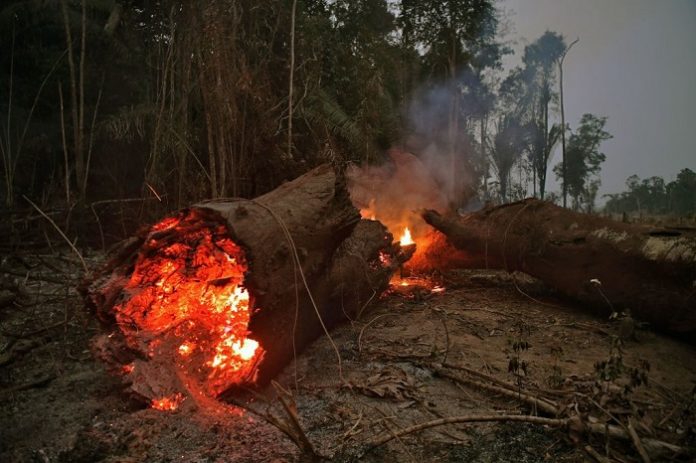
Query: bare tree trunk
x=81, y=173
x=453, y=128
x=292, y=75
x=563, y=125
x=77, y=144
x=65, y=145
x=484, y=156
x=8, y=162
x=544, y=167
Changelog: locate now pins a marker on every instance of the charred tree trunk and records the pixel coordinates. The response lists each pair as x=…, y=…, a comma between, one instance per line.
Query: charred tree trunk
x=651, y=272
x=345, y=262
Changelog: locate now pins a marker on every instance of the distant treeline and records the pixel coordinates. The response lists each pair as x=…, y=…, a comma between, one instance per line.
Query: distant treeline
x=654, y=196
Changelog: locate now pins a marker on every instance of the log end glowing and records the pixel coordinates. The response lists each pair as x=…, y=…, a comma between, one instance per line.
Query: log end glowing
x=188, y=305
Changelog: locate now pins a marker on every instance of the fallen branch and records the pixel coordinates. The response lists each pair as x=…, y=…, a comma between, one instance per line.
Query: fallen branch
x=555, y=422
x=362, y=331
x=650, y=446
x=637, y=442
x=294, y=428
x=537, y=403
x=478, y=374
x=594, y=454
x=653, y=446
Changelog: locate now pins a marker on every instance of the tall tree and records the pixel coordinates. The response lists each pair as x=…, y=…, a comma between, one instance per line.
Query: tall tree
x=353, y=92
x=682, y=192
x=507, y=147
x=451, y=34
x=540, y=59
x=52, y=39
x=541, y=144
x=584, y=160
x=563, y=123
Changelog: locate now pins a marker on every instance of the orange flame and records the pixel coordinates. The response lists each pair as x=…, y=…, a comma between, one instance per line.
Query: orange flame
x=406, y=239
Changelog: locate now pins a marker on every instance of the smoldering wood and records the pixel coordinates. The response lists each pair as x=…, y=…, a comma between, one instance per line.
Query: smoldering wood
x=649, y=271
x=347, y=263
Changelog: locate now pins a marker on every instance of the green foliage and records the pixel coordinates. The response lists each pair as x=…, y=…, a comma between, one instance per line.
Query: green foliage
x=653, y=196
x=528, y=93
x=583, y=161
x=682, y=192
x=539, y=74
x=518, y=366
x=508, y=145
x=614, y=370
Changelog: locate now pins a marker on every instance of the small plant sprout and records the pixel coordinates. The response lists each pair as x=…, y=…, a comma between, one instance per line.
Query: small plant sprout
x=598, y=284
x=517, y=365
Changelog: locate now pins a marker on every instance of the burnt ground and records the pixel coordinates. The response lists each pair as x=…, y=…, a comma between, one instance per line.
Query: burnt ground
x=416, y=356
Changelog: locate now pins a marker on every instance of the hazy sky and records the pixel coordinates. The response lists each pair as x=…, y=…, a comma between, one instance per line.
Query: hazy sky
x=635, y=63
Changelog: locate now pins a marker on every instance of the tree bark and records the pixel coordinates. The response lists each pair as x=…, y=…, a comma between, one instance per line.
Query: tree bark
x=346, y=262
x=650, y=271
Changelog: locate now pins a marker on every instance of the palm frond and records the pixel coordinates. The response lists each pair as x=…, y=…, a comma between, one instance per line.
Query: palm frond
x=129, y=122
x=322, y=109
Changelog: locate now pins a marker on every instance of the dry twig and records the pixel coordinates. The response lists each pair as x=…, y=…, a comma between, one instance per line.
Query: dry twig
x=72, y=246
x=292, y=427
x=594, y=454
x=362, y=331
x=637, y=442
x=537, y=403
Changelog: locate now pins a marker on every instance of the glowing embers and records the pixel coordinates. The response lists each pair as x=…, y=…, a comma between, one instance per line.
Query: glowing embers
x=168, y=403
x=186, y=306
x=415, y=287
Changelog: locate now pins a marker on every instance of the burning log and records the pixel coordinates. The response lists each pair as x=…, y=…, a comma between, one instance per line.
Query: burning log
x=224, y=293
x=600, y=262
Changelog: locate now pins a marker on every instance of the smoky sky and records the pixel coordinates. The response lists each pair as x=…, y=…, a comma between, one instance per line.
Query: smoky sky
x=635, y=63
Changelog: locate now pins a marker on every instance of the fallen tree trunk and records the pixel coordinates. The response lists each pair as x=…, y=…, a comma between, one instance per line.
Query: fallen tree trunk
x=344, y=263
x=650, y=271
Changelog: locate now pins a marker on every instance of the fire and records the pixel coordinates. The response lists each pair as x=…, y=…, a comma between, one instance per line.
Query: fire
x=168, y=403
x=406, y=239
x=369, y=211
x=189, y=308
x=186, y=348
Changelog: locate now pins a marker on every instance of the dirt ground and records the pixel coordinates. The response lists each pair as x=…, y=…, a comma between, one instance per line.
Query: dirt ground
x=416, y=356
